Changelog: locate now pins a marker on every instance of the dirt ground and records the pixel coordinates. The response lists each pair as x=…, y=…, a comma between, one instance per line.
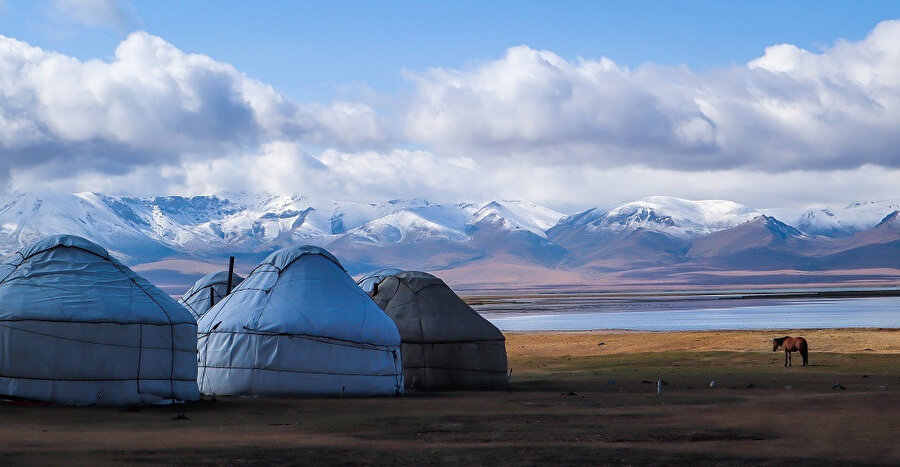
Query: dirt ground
x=571, y=401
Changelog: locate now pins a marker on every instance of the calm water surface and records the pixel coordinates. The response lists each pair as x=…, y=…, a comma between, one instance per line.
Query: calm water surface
x=692, y=314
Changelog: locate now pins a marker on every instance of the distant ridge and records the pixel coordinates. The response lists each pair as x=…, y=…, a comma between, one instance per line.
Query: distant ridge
x=503, y=243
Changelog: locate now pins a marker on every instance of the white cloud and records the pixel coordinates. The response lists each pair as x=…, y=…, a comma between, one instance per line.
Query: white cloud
x=789, y=129
x=151, y=105
x=790, y=109
x=570, y=189
x=114, y=14
x=537, y=104
x=285, y=167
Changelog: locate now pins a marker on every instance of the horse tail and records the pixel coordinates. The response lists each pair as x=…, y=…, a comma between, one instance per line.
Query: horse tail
x=804, y=351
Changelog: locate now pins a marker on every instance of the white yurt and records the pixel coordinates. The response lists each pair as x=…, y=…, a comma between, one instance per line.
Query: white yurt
x=446, y=344
x=207, y=291
x=369, y=281
x=299, y=325
x=79, y=328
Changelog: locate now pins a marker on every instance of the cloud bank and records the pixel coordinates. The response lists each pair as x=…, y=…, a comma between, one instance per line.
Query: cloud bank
x=152, y=105
x=531, y=124
x=790, y=109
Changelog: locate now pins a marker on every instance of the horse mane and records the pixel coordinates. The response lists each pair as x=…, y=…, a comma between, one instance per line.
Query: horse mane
x=780, y=340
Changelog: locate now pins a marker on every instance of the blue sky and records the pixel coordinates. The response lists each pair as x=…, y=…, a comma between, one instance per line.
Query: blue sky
x=314, y=51
x=774, y=104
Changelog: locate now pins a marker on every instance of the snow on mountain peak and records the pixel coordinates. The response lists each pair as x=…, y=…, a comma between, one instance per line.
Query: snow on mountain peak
x=512, y=215
x=837, y=222
x=404, y=225
x=674, y=216
x=349, y=215
x=142, y=230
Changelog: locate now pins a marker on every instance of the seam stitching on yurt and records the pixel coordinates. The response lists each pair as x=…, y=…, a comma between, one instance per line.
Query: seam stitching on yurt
x=195, y=292
x=137, y=380
x=60, y=245
x=31, y=283
x=221, y=304
x=131, y=304
x=415, y=300
x=289, y=370
x=471, y=341
x=458, y=369
x=70, y=339
x=56, y=378
x=427, y=286
x=307, y=253
x=166, y=313
x=104, y=321
x=14, y=266
x=324, y=339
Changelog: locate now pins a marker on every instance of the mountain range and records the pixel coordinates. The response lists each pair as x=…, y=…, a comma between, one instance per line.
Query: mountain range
x=647, y=243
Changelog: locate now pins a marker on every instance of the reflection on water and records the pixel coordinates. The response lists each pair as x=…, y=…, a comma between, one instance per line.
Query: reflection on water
x=688, y=314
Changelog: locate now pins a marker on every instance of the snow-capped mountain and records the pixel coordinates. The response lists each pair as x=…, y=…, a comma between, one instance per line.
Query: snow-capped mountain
x=405, y=226
x=346, y=216
x=518, y=240
x=878, y=247
x=148, y=229
x=648, y=232
x=27, y=217
x=515, y=231
x=837, y=221
x=675, y=217
x=515, y=215
x=888, y=230
x=143, y=229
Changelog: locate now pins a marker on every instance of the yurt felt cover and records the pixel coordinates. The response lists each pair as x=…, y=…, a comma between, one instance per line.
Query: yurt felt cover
x=299, y=325
x=368, y=282
x=197, y=298
x=77, y=327
x=446, y=344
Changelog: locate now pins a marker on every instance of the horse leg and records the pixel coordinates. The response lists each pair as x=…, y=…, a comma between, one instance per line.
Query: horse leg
x=786, y=355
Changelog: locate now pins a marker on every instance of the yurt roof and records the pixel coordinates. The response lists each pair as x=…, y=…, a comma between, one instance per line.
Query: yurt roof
x=49, y=243
x=213, y=278
x=285, y=256
x=317, y=298
x=369, y=280
x=69, y=278
x=427, y=310
x=418, y=280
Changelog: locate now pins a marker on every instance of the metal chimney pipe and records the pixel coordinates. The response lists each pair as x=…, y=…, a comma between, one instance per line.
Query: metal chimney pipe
x=230, y=273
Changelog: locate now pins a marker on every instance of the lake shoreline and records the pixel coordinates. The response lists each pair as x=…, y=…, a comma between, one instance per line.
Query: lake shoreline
x=692, y=314
x=475, y=299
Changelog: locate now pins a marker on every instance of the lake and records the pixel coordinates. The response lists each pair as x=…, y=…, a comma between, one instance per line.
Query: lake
x=690, y=313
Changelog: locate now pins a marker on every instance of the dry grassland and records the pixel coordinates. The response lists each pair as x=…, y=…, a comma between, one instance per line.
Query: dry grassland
x=582, y=344
x=570, y=402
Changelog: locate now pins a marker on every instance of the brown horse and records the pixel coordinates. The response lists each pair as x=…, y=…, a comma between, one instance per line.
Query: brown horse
x=791, y=344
